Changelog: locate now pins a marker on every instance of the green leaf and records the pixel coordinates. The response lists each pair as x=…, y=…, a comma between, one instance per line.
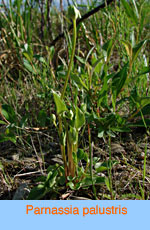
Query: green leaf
x=137, y=49
x=7, y=137
x=144, y=101
x=42, y=117
x=107, y=183
x=80, y=59
x=110, y=133
x=29, y=67
x=136, y=9
x=62, y=180
x=78, y=185
x=128, y=48
x=120, y=129
x=119, y=80
x=62, y=138
x=100, y=180
x=97, y=66
x=104, y=166
x=101, y=133
x=79, y=119
x=3, y=123
x=41, y=59
x=129, y=11
x=9, y=113
x=73, y=135
x=78, y=81
x=71, y=185
x=1, y=166
x=87, y=181
x=107, y=47
x=60, y=104
x=37, y=192
x=145, y=70
x=81, y=155
x=51, y=179
x=27, y=56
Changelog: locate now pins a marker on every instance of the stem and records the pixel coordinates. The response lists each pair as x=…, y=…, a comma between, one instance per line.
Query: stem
x=144, y=170
x=62, y=147
x=109, y=170
x=67, y=168
x=91, y=161
x=72, y=57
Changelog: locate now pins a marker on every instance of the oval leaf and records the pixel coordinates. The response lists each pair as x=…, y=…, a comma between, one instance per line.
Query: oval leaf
x=60, y=104
x=80, y=118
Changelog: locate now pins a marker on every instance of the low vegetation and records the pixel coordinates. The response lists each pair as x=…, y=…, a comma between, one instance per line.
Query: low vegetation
x=75, y=109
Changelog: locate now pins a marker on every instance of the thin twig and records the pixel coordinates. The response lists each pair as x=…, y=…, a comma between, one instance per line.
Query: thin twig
x=27, y=174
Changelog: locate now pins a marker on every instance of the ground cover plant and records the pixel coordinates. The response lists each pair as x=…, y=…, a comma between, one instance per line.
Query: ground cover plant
x=75, y=100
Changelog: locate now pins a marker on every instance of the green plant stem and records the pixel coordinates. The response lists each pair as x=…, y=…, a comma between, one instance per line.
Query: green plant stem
x=144, y=170
x=64, y=90
x=62, y=147
x=110, y=168
x=71, y=59
x=91, y=162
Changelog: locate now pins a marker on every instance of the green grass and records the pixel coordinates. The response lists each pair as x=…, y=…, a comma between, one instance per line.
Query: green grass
x=80, y=100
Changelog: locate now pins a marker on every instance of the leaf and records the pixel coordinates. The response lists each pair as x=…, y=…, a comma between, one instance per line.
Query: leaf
x=51, y=179
x=37, y=192
x=107, y=183
x=62, y=180
x=1, y=167
x=78, y=81
x=101, y=134
x=72, y=135
x=145, y=70
x=87, y=181
x=40, y=59
x=144, y=101
x=107, y=47
x=100, y=180
x=97, y=66
x=71, y=185
x=81, y=155
x=129, y=11
x=119, y=80
x=103, y=166
x=136, y=9
x=29, y=67
x=3, y=123
x=9, y=137
x=96, y=180
x=80, y=59
x=79, y=119
x=42, y=117
x=128, y=48
x=121, y=129
x=145, y=111
x=41, y=190
x=110, y=133
x=137, y=48
x=60, y=104
x=9, y=113
x=27, y=56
